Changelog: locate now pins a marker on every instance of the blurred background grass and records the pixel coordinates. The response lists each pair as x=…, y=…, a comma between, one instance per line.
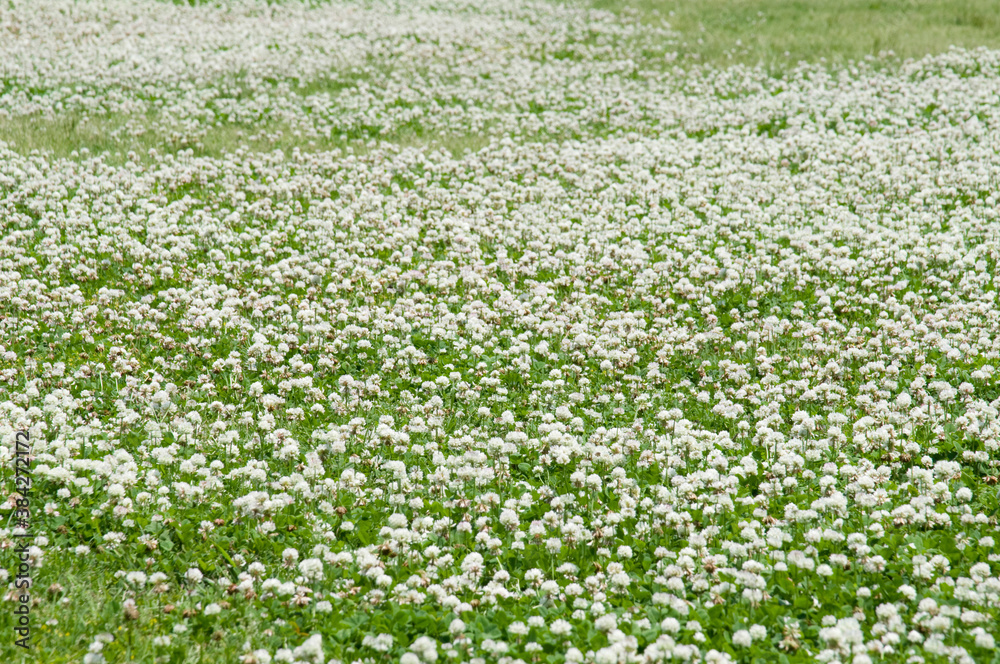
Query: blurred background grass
x=778, y=33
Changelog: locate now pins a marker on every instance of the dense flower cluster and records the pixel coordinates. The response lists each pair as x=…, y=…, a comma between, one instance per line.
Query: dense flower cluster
x=689, y=365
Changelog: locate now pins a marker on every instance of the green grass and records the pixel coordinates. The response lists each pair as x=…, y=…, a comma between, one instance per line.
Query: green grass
x=70, y=134
x=721, y=32
x=78, y=608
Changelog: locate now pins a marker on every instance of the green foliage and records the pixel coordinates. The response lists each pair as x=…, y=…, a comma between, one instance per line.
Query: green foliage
x=781, y=33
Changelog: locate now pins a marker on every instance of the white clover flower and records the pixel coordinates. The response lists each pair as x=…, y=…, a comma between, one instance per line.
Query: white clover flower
x=311, y=569
x=311, y=650
x=606, y=623
x=518, y=628
x=670, y=625
x=136, y=578
x=473, y=564
x=509, y=519
x=560, y=627
x=985, y=640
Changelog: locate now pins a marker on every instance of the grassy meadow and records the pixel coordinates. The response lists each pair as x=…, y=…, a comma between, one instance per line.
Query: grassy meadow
x=508, y=331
